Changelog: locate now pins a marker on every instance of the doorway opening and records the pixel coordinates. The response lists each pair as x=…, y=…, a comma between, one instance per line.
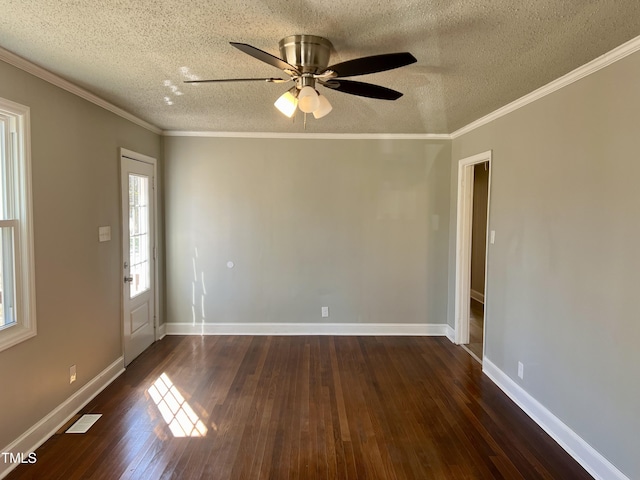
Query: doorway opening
x=474, y=179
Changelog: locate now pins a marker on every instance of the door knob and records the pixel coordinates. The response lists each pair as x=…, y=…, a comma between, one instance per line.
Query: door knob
x=128, y=279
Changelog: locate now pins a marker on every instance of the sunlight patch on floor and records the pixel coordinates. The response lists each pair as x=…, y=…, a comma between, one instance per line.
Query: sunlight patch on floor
x=176, y=411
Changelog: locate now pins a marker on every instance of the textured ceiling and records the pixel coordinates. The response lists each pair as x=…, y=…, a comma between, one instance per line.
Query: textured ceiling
x=473, y=56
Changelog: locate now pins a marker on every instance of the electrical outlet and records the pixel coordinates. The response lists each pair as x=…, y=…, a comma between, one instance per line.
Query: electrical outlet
x=325, y=312
x=520, y=370
x=72, y=374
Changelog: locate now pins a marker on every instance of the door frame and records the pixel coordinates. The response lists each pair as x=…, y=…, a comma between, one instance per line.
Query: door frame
x=139, y=157
x=463, y=245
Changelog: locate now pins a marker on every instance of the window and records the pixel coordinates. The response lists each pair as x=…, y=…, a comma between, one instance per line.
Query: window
x=140, y=269
x=17, y=282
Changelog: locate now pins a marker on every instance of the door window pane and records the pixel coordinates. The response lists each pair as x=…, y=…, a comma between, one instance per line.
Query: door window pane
x=139, y=258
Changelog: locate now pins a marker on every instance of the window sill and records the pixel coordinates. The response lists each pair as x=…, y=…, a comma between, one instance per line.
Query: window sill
x=15, y=334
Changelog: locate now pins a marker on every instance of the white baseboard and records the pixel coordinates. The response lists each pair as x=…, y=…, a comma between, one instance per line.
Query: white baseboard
x=408, y=329
x=590, y=459
x=477, y=296
x=39, y=433
x=162, y=331
x=451, y=334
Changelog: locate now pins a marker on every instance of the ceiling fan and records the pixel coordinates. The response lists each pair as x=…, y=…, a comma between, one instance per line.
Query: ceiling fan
x=305, y=59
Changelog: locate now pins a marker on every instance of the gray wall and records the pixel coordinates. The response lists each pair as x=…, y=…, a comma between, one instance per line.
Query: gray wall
x=360, y=226
x=75, y=166
x=563, y=273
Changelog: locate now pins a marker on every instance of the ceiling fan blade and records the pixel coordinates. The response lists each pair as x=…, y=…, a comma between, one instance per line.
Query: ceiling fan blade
x=373, y=64
x=264, y=56
x=221, y=80
x=362, y=89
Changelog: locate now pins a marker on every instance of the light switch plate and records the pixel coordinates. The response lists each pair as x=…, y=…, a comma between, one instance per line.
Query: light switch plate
x=104, y=233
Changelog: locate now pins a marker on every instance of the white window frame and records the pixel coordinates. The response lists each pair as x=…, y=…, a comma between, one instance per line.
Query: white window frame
x=16, y=163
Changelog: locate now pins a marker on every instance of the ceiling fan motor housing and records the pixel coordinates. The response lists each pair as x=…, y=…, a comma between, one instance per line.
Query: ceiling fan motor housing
x=309, y=53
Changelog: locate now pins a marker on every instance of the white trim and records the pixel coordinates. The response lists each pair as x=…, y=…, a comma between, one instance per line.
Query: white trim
x=590, y=459
x=162, y=331
x=477, y=296
x=464, y=223
x=451, y=334
x=317, y=136
x=40, y=432
x=138, y=156
x=593, y=66
x=390, y=329
x=29, y=67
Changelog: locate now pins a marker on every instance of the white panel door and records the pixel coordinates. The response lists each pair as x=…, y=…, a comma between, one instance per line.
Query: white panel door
x=138, y=246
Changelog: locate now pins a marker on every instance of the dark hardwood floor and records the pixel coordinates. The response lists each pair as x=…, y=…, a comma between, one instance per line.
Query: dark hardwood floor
x=244, y=407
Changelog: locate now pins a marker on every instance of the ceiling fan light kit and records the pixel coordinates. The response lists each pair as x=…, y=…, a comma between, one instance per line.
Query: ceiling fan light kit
x=323, y=109
x=288, y=102
x=305, y=59
x=308, y=99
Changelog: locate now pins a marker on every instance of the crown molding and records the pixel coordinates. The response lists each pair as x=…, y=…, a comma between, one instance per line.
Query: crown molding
x=23, y=64
x=593, y=66
x=317, y=136
x=599, y=63
x=33, y=69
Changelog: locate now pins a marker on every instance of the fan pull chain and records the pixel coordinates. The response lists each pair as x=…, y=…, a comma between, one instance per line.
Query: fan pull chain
x=305, y=121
